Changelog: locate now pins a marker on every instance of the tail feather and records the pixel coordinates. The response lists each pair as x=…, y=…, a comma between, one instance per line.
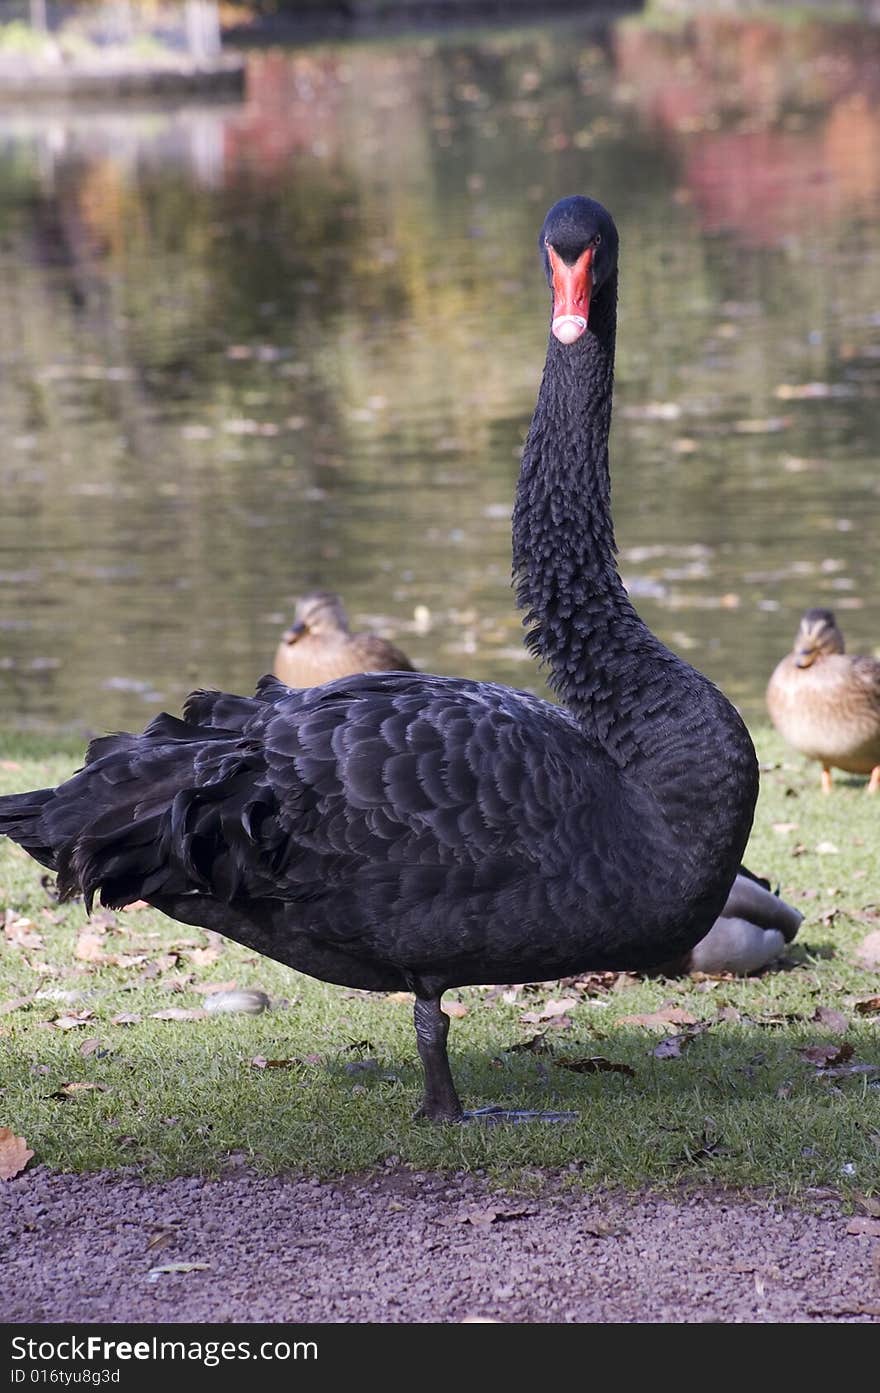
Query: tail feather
x=21, y=819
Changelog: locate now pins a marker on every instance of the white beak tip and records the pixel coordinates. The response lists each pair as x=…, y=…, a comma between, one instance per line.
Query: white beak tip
x=568, y=327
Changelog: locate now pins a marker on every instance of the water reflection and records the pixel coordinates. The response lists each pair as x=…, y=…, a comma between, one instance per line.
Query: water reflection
x=255, y=348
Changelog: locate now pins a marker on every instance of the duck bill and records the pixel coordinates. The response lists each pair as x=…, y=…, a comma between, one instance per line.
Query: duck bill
x=804, y=657
x=572, y=287
x=295, y=632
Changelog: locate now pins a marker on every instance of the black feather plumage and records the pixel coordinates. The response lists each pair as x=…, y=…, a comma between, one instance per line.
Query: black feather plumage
x=405, y=830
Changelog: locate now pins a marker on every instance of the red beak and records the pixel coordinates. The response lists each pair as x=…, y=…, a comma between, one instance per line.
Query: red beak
x=572, y=286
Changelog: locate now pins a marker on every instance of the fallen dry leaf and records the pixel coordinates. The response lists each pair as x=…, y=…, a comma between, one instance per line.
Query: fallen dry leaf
x=870, y=1203
x=824, y=1056
x=201, y=957
x=551, y=1010
x=135, y=906
x=666, y=1015
x=90, y=948
x=71, y=1020
x=483, y=1217
x=171, y=1268
x=595, y=1064
x=457, y=1009
x=868, y=951
x=259, y=1061
x=162, y=1238
x=89, y=1047
x=835, y=1021
x=14, y=1154
x=70, y=1090
x=249, y=1002
x=179, y=1013
x=536, y=1044
x=205, y=988
x=127, y=1018
x=20, y=932
x=861, y=1224
x=671, y=1047
x=600, y=1228
x=867, y=1006
x=15, y=1003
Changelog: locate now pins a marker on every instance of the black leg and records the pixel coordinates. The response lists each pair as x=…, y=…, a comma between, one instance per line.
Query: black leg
x=440, y=1101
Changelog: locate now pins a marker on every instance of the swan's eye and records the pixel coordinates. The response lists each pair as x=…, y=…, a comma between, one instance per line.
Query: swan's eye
x=597, y=239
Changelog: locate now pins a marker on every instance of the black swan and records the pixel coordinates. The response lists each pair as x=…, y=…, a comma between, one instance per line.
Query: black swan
x=752, y=929
x=402, y=830
x=319, y=645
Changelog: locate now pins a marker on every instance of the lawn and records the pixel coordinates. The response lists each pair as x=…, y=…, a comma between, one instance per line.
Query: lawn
x=326, y=1080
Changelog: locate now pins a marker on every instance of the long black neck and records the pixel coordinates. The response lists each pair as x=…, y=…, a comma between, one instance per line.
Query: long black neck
x=654, y=715
x=582, y=622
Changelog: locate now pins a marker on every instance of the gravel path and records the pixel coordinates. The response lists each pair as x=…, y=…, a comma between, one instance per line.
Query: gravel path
x=399, y=1246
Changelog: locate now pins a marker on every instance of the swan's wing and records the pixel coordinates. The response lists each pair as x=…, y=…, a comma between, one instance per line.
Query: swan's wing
x=368, y=782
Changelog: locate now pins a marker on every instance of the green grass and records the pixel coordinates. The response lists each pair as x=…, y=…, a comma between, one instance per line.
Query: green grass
x=741, y=1107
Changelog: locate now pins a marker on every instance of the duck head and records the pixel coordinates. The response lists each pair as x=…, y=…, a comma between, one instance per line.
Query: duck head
x=817, y=636
x=319, y=613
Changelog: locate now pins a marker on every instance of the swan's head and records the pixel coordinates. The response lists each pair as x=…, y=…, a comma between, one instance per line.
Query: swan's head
x=579, y=245
x=817, y=636
x=319, y=613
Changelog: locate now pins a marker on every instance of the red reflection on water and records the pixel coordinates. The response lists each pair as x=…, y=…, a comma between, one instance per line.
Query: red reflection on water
x=773, y=124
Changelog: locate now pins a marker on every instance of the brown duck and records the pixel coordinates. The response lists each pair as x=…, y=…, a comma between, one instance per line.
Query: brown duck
x=826, y=702
x=319, y=646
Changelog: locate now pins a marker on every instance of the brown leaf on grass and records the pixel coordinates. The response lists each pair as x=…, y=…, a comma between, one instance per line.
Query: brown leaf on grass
x=71, y=1090
x=551, y=1010
x=89, y=1047
x=126, y=1018
x=205, y=988
x=201, y=957
x=14, y=1154
x=595, y=1064
x=867, y=1006
x=90, y=949
x=102, y=919
x=666, y=1015
x=136, y=906
x=728, y=1013
x=536, y=1044
x=248, y=1001
x=15, y=1003
x=71, y=1020
x=835, y=1021
x=826, y=1056
x=861, y=1224
x=259, y=1061
x=457, y=1009
x=868, y=951
x=671, y=1047
x=20, y=932
x=179, y=1013
x=400, y=996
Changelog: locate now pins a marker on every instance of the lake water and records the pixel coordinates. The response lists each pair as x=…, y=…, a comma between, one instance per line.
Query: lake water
x=254, y=348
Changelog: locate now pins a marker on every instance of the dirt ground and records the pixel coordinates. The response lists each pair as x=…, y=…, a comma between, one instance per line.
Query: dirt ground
x=398, y=1246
